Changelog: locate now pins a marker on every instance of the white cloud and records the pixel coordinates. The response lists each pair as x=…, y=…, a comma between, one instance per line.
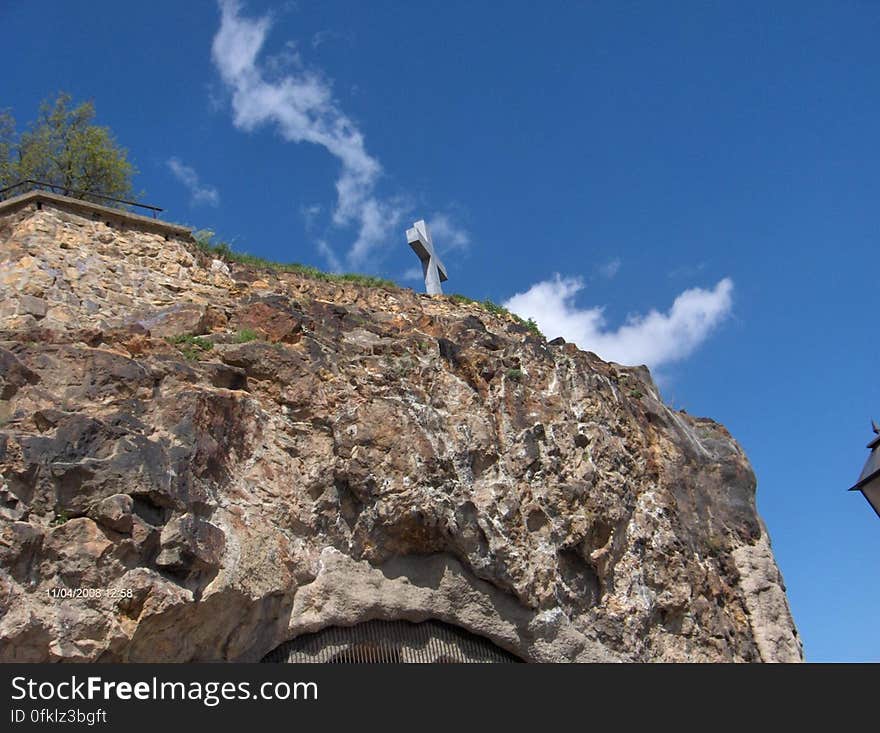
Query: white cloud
x=446, y=234
x=287, y=58
x=653, y=339
x=686, y=271
x=329, y=255
x=310, y=213
x=201, y=193
x=325, y=36
x=610, y=268
x=300, y=104
x=412, y=274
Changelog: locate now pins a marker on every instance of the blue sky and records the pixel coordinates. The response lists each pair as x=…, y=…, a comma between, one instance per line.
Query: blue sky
x=693, y=185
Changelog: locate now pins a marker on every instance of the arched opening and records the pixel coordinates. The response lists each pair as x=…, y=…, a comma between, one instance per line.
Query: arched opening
x=390, y=642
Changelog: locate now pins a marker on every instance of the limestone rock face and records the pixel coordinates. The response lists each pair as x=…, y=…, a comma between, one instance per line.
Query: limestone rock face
x=329, y=453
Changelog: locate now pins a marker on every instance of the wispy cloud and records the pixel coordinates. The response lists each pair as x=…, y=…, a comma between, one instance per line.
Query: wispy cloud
x=300, y=104
x=325, y=36
x=686, y=271
x=200, y=192
x=447, y=234
x=309, y=214
x=610, y=268
x=284, y=60
x=326, y=251
x=653, y=339
x=412, y=274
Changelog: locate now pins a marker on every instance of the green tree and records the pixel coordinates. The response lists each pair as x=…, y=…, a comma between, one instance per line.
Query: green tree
x=63, y=147
x=7, y=146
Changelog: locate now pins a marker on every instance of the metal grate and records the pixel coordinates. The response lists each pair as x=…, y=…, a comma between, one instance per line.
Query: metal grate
x=390, y=642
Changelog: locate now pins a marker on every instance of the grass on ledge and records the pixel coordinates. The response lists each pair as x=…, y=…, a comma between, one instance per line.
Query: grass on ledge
x=192, y=347
x=223, y=251
x=499, y=310
x=246, y=335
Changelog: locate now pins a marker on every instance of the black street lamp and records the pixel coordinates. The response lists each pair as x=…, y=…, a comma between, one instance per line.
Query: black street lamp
x=869, y=481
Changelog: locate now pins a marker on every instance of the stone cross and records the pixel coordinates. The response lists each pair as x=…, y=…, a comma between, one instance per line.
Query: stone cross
x=435, y=271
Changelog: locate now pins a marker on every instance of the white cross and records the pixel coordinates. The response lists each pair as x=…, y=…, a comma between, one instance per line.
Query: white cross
x=435, y=271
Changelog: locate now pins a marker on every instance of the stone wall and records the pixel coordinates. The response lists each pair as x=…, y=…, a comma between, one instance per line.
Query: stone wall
x=95, y=274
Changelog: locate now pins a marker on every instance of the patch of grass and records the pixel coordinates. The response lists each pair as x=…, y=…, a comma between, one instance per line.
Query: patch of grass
x=191, y=354
x=245, y=335
x=495, y=309
x=515, y=374
x=368, y=280
x=199, y=342
x=204, y=241
x=532, y=325
x=499, y=310
x=636, y=394
x=192, y=347
x=458, y=298
x=61, y=516
x=223, y=250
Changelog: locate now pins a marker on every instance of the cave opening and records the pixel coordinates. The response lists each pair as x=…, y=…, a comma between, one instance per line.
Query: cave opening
x=391, y=642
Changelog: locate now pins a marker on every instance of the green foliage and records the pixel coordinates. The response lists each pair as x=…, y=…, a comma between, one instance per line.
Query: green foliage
x=198, y=341
x=636, y=394
x=499, y=310
x=191, y=354
x=532, y=325
x=353, y=277
x=192, y=347
x=223, y=250
x=7, y=149
x=245, y=335
x=495, y=309
x=458, y=298
x=64, y=148
x=61, y=516
x=205, y=242
x=515, y=374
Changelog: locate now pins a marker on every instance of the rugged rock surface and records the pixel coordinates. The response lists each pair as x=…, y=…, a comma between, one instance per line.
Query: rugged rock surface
x=372, y=453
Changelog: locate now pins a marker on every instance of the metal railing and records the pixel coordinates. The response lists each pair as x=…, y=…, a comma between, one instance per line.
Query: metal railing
x=31, y=185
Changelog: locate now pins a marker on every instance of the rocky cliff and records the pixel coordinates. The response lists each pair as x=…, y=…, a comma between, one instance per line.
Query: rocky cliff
x=327, y=454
